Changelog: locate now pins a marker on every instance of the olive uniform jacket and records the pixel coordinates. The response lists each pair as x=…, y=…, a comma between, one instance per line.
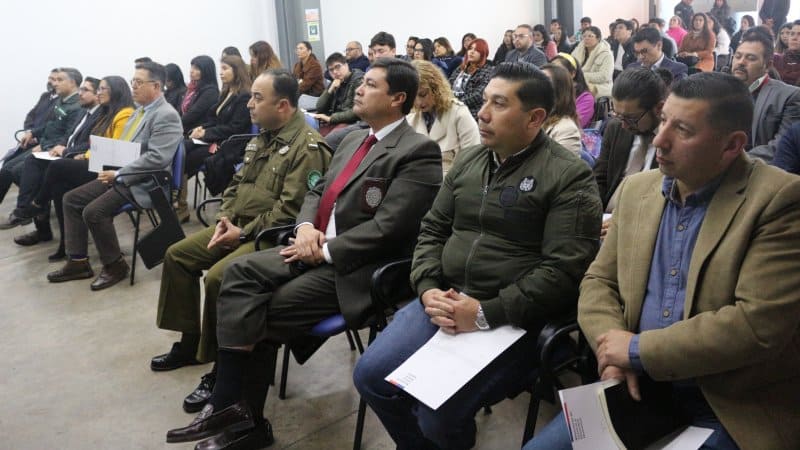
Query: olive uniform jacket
x=739, y=338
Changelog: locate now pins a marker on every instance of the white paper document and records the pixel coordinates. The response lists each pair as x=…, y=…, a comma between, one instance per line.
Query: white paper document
x=108, y=152
x=45, y=156
x=447, y=362
x=199, y=142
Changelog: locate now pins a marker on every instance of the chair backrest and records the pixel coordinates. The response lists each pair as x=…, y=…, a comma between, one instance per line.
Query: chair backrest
x=311, y=121
x=177, y=166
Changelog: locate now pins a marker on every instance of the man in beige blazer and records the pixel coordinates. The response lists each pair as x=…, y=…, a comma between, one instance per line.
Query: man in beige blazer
x=710, y=307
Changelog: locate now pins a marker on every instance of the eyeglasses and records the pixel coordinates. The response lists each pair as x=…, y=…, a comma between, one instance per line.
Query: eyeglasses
x=520, y=36
x=629, y=121
x=642, y=52
x=350, y=49
x=137, y=82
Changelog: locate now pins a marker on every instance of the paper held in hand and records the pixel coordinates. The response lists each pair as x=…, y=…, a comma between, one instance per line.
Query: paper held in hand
x=603, y=416
x=438, y=369
x=110, y=154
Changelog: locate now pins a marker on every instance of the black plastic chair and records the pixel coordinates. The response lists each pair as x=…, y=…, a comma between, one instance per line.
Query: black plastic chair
x=389, y=287
x=236, y=144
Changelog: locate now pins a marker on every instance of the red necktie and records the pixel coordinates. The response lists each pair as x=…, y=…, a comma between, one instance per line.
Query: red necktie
x=332, y=193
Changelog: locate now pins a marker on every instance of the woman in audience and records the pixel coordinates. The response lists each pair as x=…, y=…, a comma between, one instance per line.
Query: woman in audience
x=423, y=51
x=262, y=57
x=594, y=56
x=504, y=48
x=65, y=174
x=698, y=44
x=443, y=51
x=438, y=115
x=787, y=64
x=471, y=78
x=746, y=23
x=308, y=71
x=175, y=86
x=723, y=47
x=562, y=43
x=584, y=100
x=721, y=12
x=201, y=94
x=228, y=117
x=231, y=51
x=782, y=43
x=542, y=41
x=465, y=40
x=676, y=30
x=562, y=122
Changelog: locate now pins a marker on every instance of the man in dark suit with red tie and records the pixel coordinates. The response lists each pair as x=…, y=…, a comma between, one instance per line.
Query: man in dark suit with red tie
x=365, y=211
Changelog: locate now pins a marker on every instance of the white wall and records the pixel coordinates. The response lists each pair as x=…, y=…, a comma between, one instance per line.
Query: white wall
x=359, y=20
x=102, y=38
x=603, y=13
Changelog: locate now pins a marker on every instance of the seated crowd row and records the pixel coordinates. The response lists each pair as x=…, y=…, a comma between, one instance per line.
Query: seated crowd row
x=399, y=178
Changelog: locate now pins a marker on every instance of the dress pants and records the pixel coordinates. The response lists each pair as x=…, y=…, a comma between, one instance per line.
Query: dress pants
x=264, y=299
x=31, y=175
x=411, y=424
x=91, y=208
x=179, y=298
x=11, y=172
x=61, y=176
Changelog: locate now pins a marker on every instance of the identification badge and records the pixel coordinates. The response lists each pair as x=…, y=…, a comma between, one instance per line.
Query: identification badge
x=373, y=190
x=527, y=184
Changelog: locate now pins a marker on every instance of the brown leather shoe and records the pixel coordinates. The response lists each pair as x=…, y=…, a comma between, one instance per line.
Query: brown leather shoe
x=72, y=270
x=235, y=418
x=111, y=274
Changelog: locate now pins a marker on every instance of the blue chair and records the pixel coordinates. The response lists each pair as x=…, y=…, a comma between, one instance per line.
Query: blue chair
x=389, y=287
x=134, y=210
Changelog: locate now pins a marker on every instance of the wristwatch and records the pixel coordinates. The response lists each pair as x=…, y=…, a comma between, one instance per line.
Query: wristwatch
x=480, y=320
x=242, y=237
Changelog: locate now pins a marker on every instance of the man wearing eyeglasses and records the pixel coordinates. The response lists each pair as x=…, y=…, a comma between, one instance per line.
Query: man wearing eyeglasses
x=91, y=208
x=524, y=50
x=648, y=45
x=335, y=105
x=627, y=147
x=355, y=56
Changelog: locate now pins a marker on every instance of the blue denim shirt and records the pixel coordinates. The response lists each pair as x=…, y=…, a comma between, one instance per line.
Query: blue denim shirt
x=666, y=286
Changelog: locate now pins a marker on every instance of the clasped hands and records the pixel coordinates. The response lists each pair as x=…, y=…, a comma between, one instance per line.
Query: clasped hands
x=226, y=235
x=306, y=246
x=451, y=311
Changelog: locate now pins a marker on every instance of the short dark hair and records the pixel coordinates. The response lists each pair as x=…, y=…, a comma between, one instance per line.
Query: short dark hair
x=93, y=81
x=382, y=38
x=73, y=74
x=284, y=84
x=628, y=24
x=762, y=36
x=334, y=58
x=586, y=19
x=658, y=21
x=648, y=34
x=413, y=38
x=156, y=70
x=143, y=59
x=526, y=26
x=401, y=76
x=730, y=102
x=640, y=84
x=535, y=90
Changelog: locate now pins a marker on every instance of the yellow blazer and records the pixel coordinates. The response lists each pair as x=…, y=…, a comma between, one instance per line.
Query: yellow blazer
x=118, y=124
x=739, y=338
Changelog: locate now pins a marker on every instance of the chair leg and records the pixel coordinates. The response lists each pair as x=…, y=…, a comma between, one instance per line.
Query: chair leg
x=135, y=243
x=358, y=342
x=196, y=187
x=362, y=412
x=530, y=421
x=350, y=340
x=284, y=372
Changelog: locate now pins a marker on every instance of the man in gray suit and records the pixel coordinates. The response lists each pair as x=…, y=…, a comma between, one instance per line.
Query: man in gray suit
x=366, y=210
x=92, y=207
x=777, y=104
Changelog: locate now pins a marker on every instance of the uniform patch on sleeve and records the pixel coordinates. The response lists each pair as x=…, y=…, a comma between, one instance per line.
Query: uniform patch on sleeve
x=313, y=178
x=527, y=184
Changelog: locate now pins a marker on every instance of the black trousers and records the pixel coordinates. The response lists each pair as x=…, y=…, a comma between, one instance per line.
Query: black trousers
x=61, y=176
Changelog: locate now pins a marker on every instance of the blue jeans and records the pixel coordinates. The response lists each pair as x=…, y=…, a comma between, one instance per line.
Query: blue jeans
x=411, y=424
x=555, y=435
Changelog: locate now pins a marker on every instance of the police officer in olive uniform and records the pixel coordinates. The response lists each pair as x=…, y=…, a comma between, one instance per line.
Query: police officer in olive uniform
x=280, y=166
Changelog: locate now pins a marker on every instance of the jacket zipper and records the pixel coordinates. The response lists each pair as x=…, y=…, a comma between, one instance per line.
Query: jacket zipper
x=477, y=240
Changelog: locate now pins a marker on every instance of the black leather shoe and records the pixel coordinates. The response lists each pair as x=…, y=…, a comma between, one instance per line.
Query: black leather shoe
x=72, y=270
x=175, y=359
x=32, y=238
x=58, y=255
x=258, y=437
x=14, y=221
x=235, y=418
x=195, y=401
x=111, y=274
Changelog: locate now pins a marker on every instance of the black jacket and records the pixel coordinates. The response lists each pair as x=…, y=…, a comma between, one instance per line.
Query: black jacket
x=233, y=118
x=38, y=115
x=205, y=98
x=80, y=143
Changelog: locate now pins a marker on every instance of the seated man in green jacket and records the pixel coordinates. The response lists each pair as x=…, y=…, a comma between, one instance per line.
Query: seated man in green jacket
x=508, y=238
x=335, y=105
x=280, y=165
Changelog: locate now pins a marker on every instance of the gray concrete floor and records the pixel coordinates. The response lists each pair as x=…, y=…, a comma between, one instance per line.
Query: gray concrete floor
x=75, y=368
